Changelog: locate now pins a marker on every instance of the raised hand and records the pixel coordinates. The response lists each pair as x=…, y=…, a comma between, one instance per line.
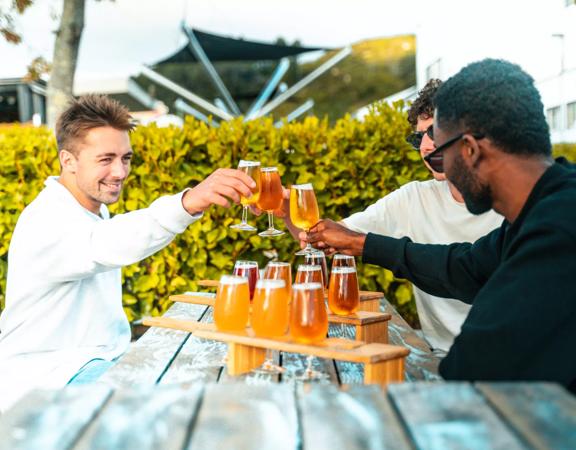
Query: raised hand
x=218, y=188
x=335, y=238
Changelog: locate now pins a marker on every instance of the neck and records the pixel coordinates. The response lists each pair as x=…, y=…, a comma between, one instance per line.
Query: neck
x=455, y=193
x=69, y=182
x=512, y=182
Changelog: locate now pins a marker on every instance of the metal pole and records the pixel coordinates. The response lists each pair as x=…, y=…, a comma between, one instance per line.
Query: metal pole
x=181, y=105
x=269, y=88
x=203, y=59
x=163, y=81
x=307, y=105
x=304, y=81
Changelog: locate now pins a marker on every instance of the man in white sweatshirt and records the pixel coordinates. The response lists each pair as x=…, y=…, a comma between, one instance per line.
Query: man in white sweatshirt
x=64, y=294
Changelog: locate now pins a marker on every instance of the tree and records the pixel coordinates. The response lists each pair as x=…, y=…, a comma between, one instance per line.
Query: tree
x=65, y=57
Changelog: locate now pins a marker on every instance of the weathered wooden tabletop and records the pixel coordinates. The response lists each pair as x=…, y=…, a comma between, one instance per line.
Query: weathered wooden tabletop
x=237, y=416
x=163, y=356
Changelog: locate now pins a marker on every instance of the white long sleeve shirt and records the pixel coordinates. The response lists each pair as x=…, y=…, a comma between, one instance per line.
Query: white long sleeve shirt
x=427, y=213
x=64, y=291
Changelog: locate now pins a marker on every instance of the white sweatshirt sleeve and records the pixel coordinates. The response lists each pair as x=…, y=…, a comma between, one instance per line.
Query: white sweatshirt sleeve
x=74, y=246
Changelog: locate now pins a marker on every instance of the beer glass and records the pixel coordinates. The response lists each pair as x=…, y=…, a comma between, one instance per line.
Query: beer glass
x=270, y=316
x=304, y=210
x=318, y=258
x=343, y=260
x=249, y=270
x=307, y=273
x=343, y=293
x=232, y=304
x=270, y=197
x=276, y=270
x=252, y=169
x=308, y=320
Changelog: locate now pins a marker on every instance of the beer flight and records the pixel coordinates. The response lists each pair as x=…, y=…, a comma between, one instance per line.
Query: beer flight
x=272, y=305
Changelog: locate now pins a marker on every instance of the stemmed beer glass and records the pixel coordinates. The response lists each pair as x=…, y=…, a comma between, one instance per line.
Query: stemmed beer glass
x=252, y=169
x=304, y=211
x=270, y=197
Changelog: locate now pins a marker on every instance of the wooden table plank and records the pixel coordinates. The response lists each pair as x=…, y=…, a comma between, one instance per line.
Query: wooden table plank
x=421, y=363
x=451, y=415
x=240, y=416
x=51, y=419
x=150, y=417
x=359, y=418
x=544, y=414
x=147, y=358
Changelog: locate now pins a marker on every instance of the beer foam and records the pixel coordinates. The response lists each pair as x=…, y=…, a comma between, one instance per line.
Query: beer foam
x=306, y=286
x=245, y=264
x=278, y=264
x=308, y=268
x=266, y=283
x=339, y=256
x=344, y=269
x=303, y=187
x=269, y=169
x=233, y=279
x=244, y=163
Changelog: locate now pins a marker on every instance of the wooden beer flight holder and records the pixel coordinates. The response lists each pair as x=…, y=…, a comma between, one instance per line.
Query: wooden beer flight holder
x=371, y=327
x=369, y=300
x=383, y=363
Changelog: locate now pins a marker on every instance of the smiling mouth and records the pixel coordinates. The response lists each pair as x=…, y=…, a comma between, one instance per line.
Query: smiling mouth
x=112, y=186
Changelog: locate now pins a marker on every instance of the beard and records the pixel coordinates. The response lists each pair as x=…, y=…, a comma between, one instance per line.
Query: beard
x=477, y=197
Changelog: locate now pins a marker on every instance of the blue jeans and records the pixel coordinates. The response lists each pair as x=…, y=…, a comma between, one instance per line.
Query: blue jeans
x=91, y=371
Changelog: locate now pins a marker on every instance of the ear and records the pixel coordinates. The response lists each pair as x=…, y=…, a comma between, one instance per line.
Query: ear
x=68, y=161
x=471, y=150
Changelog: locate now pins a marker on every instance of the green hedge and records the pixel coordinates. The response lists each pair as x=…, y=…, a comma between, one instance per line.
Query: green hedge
x=565, y=149
x=352, y=164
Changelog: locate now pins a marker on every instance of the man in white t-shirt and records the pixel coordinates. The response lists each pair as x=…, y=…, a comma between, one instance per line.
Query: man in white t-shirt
x=428, y=212
x=64, y=293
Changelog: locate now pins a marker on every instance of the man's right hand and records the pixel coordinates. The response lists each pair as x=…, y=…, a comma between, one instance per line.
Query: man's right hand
x=218, y=188
x=334, y=237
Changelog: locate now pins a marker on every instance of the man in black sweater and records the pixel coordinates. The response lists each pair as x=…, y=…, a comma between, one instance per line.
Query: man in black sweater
x=493, y=143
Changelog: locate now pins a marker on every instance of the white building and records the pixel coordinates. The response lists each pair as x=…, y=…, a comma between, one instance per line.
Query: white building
x=539, y=35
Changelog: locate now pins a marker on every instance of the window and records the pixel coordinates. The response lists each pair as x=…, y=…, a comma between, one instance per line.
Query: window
x=571, y=115
x=553, y=117
x=434, y=70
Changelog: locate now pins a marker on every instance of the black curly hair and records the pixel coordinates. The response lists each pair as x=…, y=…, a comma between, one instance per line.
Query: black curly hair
x=423, y=106
x=497, y=99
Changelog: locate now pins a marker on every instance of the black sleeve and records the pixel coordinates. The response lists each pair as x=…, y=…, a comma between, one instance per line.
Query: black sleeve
x=522, y=325
x=452, y=271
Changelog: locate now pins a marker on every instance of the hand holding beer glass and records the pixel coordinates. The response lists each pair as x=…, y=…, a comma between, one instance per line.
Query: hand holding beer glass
x=304, y=210
x=252, y=169
x=270, y=198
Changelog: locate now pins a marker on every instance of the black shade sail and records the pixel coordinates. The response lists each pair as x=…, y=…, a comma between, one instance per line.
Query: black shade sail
x=220, y=48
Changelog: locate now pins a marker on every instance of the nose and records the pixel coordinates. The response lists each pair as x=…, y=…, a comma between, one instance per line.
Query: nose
x=120, y=170
x=427, y=145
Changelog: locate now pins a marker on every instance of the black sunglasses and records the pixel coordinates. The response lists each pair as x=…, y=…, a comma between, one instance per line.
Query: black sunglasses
x=415, y=138
x=436, y=158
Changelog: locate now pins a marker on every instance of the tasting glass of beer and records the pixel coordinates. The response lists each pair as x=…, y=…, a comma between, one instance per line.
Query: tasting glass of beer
x=308, y=320
x=343, y=260
x=276, y=270
x=343, y=293
x=270, y=197
x=307, y=273
x=252, y=169
x=232, y=304
x=304, y=210
x=270, y=316
x=249, y=270
x=318, y=258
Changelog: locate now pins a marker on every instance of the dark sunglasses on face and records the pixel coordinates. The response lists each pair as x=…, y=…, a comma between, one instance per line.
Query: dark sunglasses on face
x=415, y=139
x=436, y=158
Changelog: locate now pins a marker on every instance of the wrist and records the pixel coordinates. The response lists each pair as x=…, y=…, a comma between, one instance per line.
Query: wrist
x=359, y=242
x=189, y=205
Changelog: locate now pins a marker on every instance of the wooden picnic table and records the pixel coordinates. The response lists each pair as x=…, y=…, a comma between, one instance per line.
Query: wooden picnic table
x=237, y=416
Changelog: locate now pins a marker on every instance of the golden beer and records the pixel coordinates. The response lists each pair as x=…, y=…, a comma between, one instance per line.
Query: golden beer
x=308, y=316
x=343, y=261
x=232, y=304
x=270, y=308
x=270, y=189
x=317, y=257
x=309, y=274
x=252, y=169
x=303, y=206
x=276, y=270
x=343, y=293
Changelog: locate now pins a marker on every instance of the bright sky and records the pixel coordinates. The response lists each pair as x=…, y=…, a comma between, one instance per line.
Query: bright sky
x=119, y=36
